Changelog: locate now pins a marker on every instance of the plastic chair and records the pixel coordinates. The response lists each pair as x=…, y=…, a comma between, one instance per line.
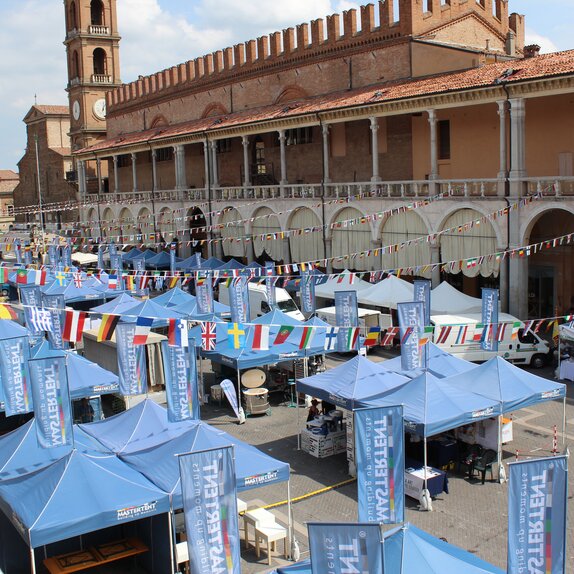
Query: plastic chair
x=468, y=456
x=484, y=464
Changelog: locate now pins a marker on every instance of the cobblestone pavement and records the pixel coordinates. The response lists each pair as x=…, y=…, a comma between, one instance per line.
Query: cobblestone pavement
x=472, y=516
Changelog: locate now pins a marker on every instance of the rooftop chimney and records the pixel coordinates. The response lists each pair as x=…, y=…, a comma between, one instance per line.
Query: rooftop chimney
x=531, y=51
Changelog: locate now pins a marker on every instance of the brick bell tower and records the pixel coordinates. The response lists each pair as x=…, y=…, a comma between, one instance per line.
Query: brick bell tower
x=92, y=50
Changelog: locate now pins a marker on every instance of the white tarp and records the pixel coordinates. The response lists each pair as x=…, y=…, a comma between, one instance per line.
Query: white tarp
x=447, y=300
x=346, y=281
x=387, y=293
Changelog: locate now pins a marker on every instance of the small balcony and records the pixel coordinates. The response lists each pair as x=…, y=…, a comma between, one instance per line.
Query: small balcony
x=101, y=79
x=99, y=30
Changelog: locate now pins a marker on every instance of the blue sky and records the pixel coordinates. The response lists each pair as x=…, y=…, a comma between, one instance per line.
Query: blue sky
x=157, y=34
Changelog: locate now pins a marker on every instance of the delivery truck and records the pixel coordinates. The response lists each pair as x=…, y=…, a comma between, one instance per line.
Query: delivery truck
x=460, y=336
x=259, y=302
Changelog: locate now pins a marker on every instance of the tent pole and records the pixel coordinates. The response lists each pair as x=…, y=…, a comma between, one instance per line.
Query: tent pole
x=559, y=353
x=501, y=470
x=32, y=555
x=426, y=501
x=290, y=519
x=298, y=423
x=171, y=520
x=564, y=420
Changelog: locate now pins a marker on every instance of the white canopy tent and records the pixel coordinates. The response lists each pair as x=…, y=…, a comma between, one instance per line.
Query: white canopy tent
x=345, y=281
x=447, y=300
x=387, y=293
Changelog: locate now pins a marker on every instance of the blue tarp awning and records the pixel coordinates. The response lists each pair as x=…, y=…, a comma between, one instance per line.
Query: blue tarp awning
x=190, y=310
x=350, y=383
x=76, y=495
x=71, y=293
x=211, y=263
x=145, y=439
x=10, y=329
x=432, y=405
x=410, y=550
x=511, y=386
x=190, y=263
x=117, y=306
x=173, y=298
x=440, y=363
x=129, y=255
x=151, y=310
x=145, y=255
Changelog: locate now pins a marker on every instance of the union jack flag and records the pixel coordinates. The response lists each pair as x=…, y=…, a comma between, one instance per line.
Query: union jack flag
x=77, y=280
x=208, y=336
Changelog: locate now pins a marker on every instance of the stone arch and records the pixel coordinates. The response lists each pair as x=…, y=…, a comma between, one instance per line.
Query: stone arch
x=537, y=213
x=73, y=16
x=107, y=227
x=307, y=246
x=213, y=110
x=291, y=93
x=266, y=223
x=229, y=233
x=469, y=241
x=166, y=224
x=127, y=224
x=97, y=13
x=159, y=121
x=347, y=239
x=398, y=229
x=145, y=224
x=550, y=277
x=100, y=64
x=197, y=230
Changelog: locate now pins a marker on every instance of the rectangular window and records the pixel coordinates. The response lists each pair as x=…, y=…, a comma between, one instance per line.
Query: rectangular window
x=124, y=160
x=164, y=154
x=444, y=139
x=299, y=136
x=223, y=146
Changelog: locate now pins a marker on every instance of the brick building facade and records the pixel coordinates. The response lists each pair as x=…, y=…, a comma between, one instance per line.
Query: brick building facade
x=260, y=139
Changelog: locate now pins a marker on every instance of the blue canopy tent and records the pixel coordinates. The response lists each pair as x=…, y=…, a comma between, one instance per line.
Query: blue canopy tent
x=189, y=308
x=211, y=263
x=11, y=329
x=349, y=384
x=410, y=550
x=144, y=438
x=129, y=255
x=145, y=255
x=85, y=379
x=21, y=454
x=254, y=265
x=117, y=306
x=71, y=293
x=78, y=495
x=320, y=332
x=148, y=308
x=440, y=363
x=190, y=263
x=229, y=265
x=173, y=298
x=161, y=261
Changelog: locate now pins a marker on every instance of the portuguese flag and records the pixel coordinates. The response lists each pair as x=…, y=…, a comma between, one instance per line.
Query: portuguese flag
x=283, y=334
x=21, y=277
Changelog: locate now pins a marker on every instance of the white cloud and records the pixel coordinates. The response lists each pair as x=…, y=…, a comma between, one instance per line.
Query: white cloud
x=546, y=44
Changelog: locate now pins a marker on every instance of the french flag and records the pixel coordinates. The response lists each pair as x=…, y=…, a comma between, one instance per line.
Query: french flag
x=143, y=328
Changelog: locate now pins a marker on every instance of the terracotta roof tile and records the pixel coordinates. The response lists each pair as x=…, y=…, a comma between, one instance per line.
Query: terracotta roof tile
x=547, y=65
x=8, y=174
x=46, y=109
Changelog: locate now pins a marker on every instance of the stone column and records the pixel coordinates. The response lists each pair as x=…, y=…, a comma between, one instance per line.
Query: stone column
x=517, y=145
x=153, y=170
x=329, y=254
x=517, y=270
x=214, y=166
x=433, y=144
x=503, y=172
x=116, y=175
x=326, y=173
x=286, y=251
x=99, y=175
x=179, y=156
x=375, y=148
x=82, y=178
x=282, y=142
x=134, y=173
x=207, y=164
x=246, y=174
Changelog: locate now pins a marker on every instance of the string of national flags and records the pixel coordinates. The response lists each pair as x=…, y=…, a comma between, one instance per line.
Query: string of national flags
x=36, y=275
x=262, y=337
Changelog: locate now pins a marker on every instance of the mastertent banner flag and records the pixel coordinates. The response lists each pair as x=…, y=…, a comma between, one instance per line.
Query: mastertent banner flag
x=51, y=401
x=131, y=361
x=347, y=315
x=411, y=323
x=210, y=507
x=56, y=305
x=204, y=292
x=308, y=292
x=239, y=299
x=537, y=501
x=422, y=292
x=179, y=367
x=380, y=460
x=15, y=375
x=345, y=548
x=489, y=341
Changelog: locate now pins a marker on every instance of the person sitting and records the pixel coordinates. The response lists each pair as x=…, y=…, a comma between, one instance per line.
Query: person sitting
x=327, y=407
x=313, y=410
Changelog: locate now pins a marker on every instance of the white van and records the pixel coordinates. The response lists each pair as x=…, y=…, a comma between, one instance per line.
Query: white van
x=259, y=304
x=367, y=318
x=527, y=349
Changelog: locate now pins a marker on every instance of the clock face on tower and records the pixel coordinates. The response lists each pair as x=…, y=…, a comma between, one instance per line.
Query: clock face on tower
x=100, y=109
x=76, y=110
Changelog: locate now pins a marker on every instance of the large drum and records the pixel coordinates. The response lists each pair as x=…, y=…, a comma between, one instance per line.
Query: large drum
x=256, y=401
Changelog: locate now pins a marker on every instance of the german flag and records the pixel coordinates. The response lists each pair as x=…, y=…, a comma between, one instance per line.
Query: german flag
x=107, y=327
x=6, y=312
